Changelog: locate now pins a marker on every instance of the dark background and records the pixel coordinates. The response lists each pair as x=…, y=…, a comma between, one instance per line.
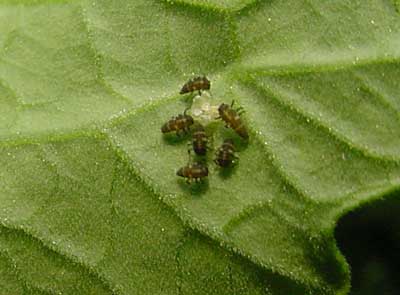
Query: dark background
x=369, y=238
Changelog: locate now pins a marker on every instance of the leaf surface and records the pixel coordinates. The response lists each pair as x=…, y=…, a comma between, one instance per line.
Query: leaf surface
x=88, y=186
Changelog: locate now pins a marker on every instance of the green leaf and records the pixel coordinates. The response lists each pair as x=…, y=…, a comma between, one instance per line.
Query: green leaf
x=89, y=199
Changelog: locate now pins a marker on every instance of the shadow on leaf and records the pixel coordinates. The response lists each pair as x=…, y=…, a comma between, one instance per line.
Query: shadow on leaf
x=194, y=188
x=174, y=139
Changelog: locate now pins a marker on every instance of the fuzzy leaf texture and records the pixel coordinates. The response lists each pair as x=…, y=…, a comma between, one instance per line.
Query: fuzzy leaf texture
x=89, y=199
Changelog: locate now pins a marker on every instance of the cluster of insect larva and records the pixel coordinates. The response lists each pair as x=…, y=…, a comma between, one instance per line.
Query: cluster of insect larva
x=225, y=155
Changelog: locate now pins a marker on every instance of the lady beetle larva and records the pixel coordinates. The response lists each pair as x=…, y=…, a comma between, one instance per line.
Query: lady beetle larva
x=225, y=155
x=198, y=83
x=199, y=140
x=232, y=119
x=181, y=123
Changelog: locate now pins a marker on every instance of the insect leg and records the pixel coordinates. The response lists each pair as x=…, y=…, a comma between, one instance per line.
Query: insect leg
x=190, y=156
x=233, y=102
x=181, y=133
x=190, y=149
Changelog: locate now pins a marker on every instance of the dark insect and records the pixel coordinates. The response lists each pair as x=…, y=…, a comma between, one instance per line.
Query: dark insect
x=181, y=123
x=198, y=83
x=232, y=119
x=225, y=154
x=199, y=140
x=196, y=171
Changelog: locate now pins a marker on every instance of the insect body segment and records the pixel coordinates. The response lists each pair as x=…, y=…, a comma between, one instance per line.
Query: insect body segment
x=181, y=123
x=225, y=155
x=232, y=119
x=195, y=171
x=199, y=140
x=196, y=84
